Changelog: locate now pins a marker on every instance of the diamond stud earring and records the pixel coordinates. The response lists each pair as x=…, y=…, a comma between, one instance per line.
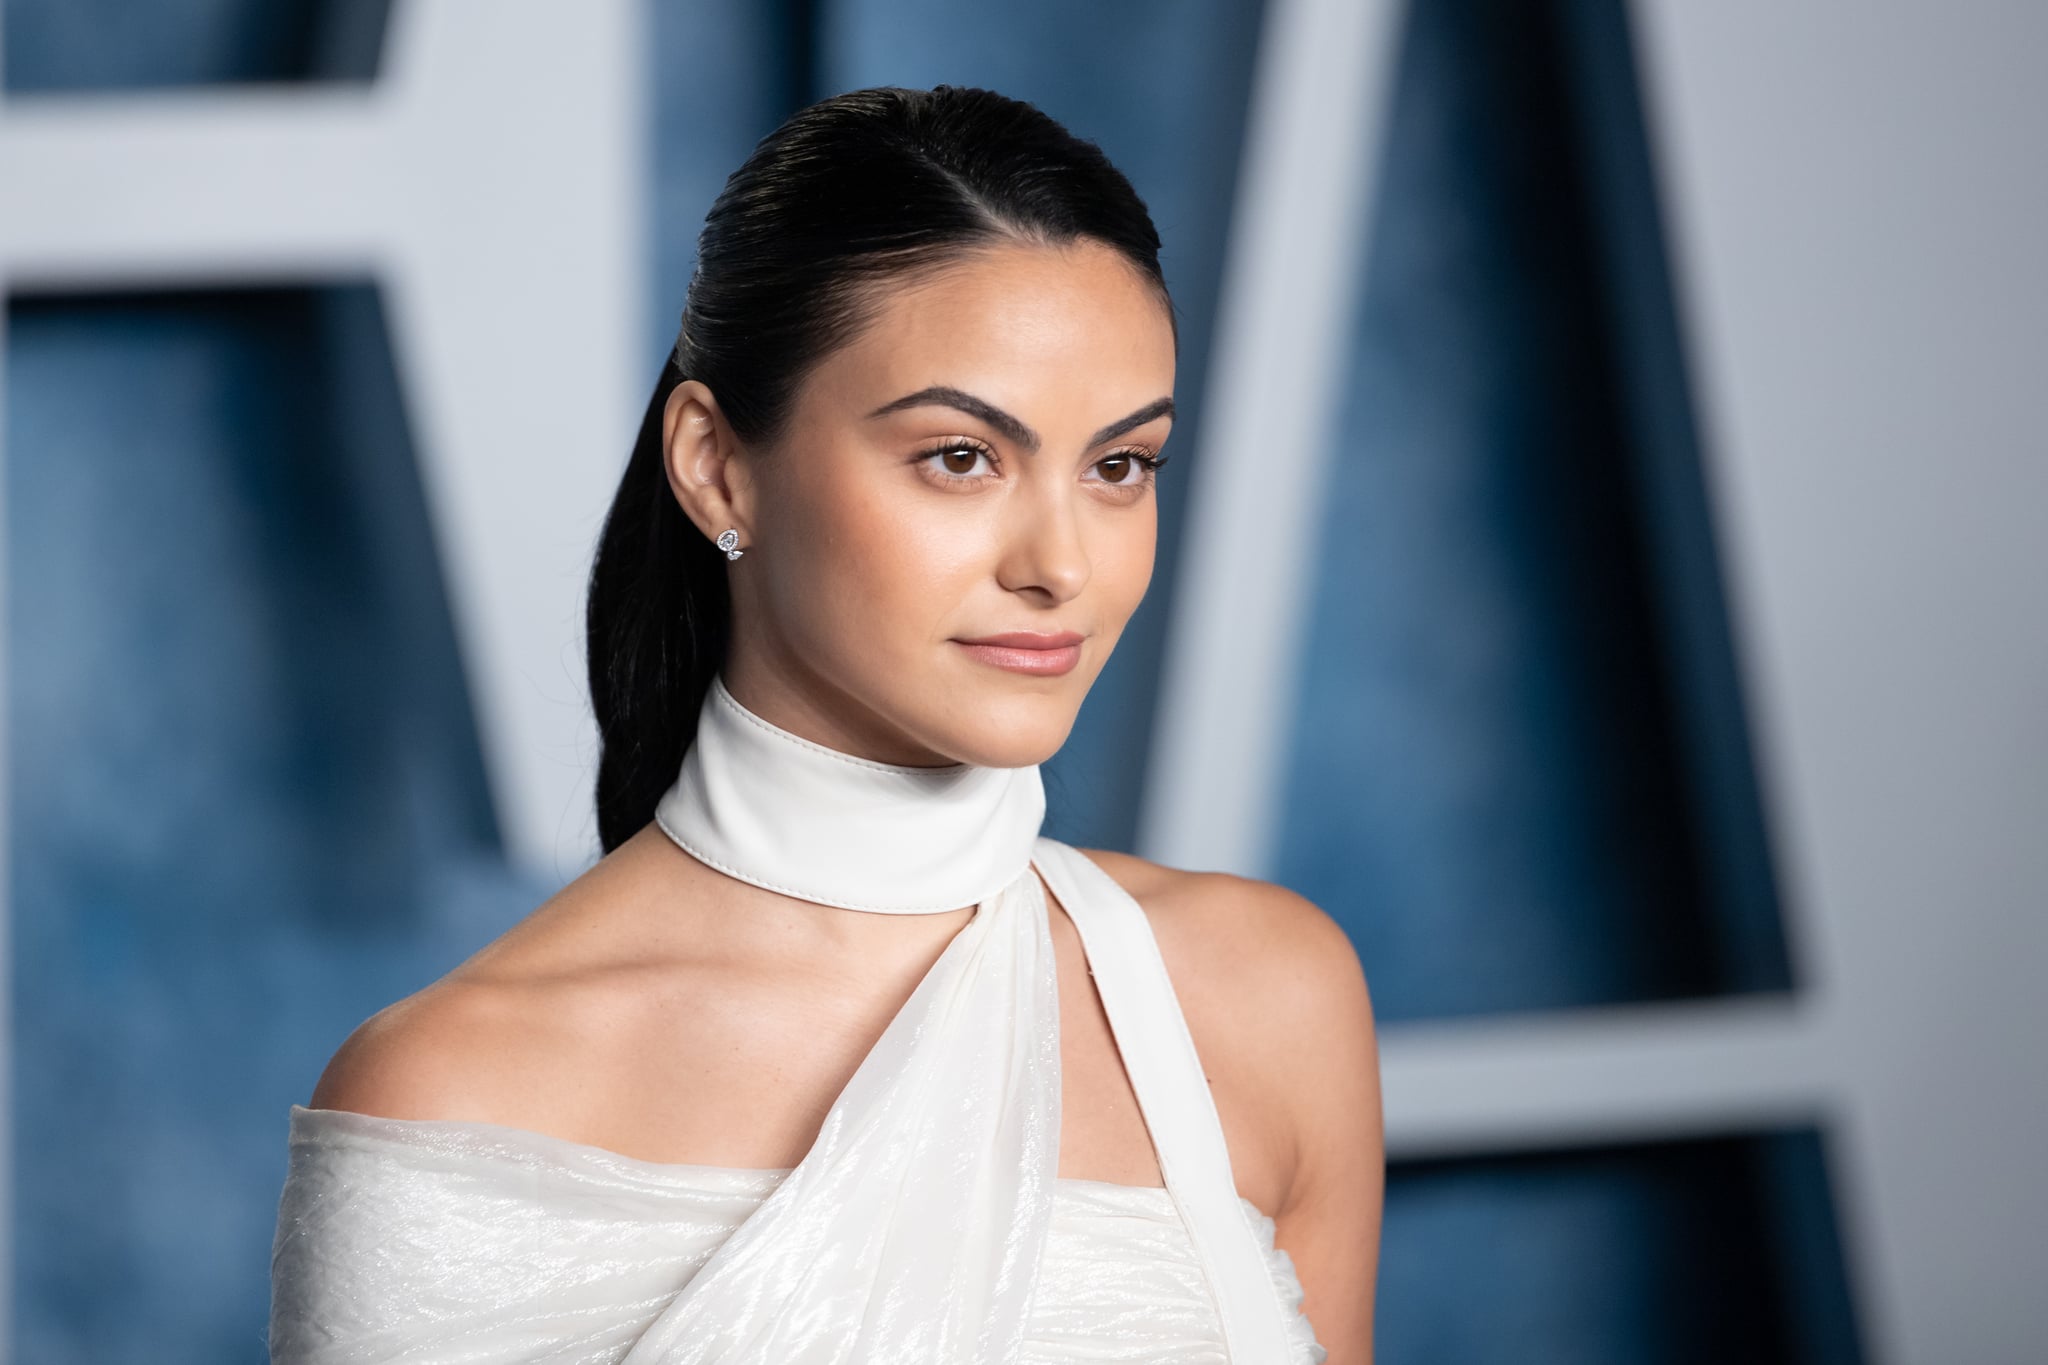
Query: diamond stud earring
x=728, y=541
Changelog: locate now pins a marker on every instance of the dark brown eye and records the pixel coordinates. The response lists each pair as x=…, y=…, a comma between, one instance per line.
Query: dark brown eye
x=1128, y=468
x=958, y=462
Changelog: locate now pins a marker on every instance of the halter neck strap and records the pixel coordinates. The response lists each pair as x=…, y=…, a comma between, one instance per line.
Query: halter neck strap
x=785, y=813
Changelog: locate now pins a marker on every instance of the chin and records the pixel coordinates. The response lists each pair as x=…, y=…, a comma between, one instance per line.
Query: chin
x=1014, y=732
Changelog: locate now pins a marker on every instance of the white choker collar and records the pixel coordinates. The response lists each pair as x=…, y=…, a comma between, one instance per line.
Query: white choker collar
x=785, y=813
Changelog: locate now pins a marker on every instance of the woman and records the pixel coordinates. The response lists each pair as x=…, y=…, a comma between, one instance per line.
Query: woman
x=832, y=1057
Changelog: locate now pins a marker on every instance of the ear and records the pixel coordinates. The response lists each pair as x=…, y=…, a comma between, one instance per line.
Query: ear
x=705, y=465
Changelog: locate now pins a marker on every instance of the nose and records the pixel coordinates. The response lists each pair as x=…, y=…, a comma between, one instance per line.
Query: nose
x=1043, y=550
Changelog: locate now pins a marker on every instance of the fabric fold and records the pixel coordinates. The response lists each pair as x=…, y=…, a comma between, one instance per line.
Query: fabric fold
x=912, y=1230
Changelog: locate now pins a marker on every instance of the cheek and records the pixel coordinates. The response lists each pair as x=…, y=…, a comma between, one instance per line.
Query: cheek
x=1124, y=565
x=870, y=566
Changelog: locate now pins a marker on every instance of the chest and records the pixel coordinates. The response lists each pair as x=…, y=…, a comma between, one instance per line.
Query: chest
x=734, y=1070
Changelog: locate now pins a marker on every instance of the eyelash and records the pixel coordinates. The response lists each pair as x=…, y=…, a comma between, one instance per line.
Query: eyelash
x=1146, y=460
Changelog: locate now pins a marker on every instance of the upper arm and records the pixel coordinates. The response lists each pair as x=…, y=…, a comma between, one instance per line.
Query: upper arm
x=1325, y=1056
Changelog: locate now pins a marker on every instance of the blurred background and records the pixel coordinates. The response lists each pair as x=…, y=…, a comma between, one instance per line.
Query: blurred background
x=1602, y=566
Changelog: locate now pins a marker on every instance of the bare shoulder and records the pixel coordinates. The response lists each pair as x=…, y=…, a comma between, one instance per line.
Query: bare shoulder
x=437, y=1054
x=1271, y=986
x=502, y=1036
x=1279, y=954
x=1276, y=999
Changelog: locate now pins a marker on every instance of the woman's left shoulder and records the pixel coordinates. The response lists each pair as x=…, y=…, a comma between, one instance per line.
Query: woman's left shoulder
x=1257, y=941
x=1275, y=998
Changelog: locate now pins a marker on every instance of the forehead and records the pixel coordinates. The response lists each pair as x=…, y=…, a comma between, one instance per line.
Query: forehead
x=1070, y=330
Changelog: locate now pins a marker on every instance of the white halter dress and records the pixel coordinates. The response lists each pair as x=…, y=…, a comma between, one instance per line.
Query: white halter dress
x=925, y=1226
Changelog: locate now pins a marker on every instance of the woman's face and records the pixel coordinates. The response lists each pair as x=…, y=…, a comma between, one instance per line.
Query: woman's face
x=972, y=465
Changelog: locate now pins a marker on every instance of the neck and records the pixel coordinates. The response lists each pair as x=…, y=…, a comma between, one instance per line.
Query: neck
x=776, y=810
x=795, y=699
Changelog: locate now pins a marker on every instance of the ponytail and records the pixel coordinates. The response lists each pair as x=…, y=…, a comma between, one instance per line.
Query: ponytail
x=656, y=628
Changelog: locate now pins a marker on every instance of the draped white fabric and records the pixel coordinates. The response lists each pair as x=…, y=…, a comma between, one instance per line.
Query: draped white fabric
x=915, y=1229
x=437, y=1242
x=912, y=1229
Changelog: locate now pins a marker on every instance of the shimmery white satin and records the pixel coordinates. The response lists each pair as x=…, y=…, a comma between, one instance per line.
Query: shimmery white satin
x=447, y=1243
x=919, y=1229
x=912, y=1228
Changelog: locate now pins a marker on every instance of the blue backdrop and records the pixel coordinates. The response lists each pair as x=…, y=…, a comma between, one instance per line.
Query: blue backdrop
x=248, y=801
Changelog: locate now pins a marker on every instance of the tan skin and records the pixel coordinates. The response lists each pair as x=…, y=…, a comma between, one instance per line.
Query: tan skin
x=659, y=1008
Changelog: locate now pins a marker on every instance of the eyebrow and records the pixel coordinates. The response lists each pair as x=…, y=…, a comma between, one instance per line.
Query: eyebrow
x=944, y=396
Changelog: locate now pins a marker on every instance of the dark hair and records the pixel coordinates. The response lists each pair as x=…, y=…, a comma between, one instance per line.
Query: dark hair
x=847, y=195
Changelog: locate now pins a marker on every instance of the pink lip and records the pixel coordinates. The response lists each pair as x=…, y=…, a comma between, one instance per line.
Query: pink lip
x=1026, y=652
